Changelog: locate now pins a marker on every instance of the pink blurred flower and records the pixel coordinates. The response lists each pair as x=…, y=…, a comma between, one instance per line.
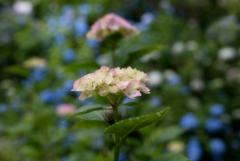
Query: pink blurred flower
x=110, y=24
x=125, y=81
x=65, y=109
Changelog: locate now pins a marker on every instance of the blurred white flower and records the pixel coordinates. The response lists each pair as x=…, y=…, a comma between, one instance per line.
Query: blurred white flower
x=226, y=118
x=176, y=146
x=197, y=85
x=216, y=83
x=227, y=53
x=34, y=62
x=177, y=48
x=191, y=45
x=155, y=78
x=155, y=55
x=147, y=18
x=104, y=60
x=233, y=74
x=22, y=7
x=236, y=113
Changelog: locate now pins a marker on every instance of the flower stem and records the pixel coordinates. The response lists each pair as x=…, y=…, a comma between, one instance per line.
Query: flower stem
x=116, y=152
x=117, y=139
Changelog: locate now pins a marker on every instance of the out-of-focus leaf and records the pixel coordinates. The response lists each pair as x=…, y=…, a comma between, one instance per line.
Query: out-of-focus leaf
x=87, y=109
x=124, y=127
x=170, y=157
x=85, y=65
x=133, y=56
x=18, y=70
x=167, y=134
x=131, y=103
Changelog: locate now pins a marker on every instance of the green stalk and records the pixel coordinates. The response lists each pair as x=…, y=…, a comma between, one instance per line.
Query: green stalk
x=117, y=139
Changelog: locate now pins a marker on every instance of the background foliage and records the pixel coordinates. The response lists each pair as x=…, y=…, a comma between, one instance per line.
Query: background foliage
x=196, y=72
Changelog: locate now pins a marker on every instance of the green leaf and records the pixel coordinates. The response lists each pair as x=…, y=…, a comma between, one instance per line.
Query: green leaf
x=85, y=65
x=125, y=127
x=170, y=157
x=84, y=111
x=18, y=70
x=133, y=56
x=131, y=103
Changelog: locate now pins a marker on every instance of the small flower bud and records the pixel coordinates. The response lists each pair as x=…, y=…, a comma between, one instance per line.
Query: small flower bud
x=108, y=115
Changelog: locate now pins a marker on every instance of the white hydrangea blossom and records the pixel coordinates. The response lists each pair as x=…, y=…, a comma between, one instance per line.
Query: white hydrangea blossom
x=125, y=81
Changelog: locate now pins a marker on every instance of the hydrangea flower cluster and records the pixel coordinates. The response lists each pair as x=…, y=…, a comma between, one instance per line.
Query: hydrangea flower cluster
x=125, y=81
x=109, y=24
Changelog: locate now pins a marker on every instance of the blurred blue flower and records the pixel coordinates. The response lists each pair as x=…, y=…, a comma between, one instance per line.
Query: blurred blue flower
x=93, y=43
x=185, y=90
x=213, y=125
x=190, y=121
x=147, y=18
x=39, y=73
x=217, y=109
x=64, y=158
x=82, y=72
x=174, y=79
x=69, y=55
x=122, y=157
x=142, y=27
x=51, y=23
x=60, y=39
x=68, y=85
x=81, y=26
x=84, y=8
x=156, y=101
x=194, y=149
x=59, y=93
x=3, y=108
x=217, y=146
x=66, y=7
x=47, y=96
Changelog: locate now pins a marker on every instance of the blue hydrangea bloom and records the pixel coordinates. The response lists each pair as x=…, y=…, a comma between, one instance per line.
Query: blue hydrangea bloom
x=122, y=157
x=213, y=125
x=3, y=108
x=194, y=149
x=217, y=146
x=93, y=43
x=69, y=55
x=156, y=101
x=47, y=96
x=84, y=9
x=59, y=93
x=68, y=85
x=60, y=39
x=174, y=79
x=217, y=109
x=81, y=26
x=189, y=120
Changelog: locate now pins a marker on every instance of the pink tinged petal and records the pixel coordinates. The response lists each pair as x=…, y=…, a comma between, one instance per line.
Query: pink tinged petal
x=132, y=94
x=104, y=68
x=112, y=72
x=108, y=79
x=83, y=96
x=113, y=89
x=145, y=90
x=122, y=85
